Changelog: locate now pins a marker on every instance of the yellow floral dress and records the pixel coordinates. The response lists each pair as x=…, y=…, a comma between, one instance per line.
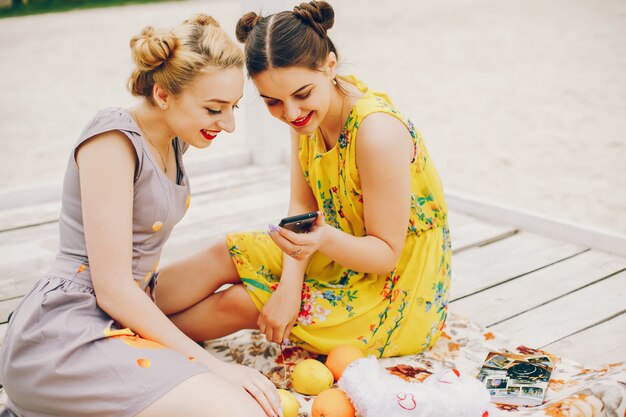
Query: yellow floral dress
x=392, y=314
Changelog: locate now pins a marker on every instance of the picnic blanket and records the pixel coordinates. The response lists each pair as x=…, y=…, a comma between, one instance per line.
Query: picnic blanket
x=575, y=390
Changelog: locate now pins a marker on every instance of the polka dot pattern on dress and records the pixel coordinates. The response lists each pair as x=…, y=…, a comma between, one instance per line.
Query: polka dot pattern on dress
x=156, y=226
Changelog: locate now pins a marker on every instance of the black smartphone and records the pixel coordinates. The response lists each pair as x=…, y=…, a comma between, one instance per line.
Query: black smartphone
x=300, y=224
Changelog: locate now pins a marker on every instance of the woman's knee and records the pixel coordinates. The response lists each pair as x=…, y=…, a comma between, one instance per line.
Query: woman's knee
x=204, y=395
x=218, y=259
x=218, y=250
x=236, y=300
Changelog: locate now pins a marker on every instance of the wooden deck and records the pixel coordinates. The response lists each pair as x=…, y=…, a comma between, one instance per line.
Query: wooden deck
x=562, y=297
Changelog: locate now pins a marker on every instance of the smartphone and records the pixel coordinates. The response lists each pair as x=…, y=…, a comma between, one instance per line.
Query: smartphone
x=300, y=224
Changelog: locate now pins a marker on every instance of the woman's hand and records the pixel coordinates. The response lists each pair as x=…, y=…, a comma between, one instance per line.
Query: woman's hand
x=300, y=246
x=255, y=383
x=280, y=312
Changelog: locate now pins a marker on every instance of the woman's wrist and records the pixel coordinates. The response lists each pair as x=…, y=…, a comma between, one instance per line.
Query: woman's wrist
x=290, y=285
x=326, y=235
x=209, y=360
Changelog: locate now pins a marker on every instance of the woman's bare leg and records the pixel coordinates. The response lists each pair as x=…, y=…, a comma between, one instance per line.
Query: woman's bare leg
x=221, y=314
x=189, y=280
x=204, y=395
x=186, y=292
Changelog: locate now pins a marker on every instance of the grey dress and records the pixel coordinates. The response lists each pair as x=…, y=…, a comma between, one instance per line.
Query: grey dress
x=63, y=355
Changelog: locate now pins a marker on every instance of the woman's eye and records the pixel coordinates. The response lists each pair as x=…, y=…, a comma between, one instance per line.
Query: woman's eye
x=235, y=107
x=211, y=111
x=304, y=96
x=271, y=102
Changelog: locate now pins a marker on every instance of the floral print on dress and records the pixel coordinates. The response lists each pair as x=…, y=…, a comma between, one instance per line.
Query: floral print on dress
x=399, y=312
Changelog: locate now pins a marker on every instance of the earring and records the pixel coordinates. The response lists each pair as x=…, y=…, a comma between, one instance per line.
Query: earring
x=334, y=81
x=164, y=106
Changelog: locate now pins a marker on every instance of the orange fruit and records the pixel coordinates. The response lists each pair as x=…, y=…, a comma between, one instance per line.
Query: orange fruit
x=340, y=357
x=332, y=402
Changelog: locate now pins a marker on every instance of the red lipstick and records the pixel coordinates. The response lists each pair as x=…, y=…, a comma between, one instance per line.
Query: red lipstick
x=303, y=121
x=208, y=136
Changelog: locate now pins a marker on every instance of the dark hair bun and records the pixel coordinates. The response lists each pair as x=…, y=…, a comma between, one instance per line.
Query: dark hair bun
x=246, y=23
x=202, y=20
x=318, y=14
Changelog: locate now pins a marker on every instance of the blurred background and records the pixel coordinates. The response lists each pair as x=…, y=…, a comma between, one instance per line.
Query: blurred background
x=521, y=103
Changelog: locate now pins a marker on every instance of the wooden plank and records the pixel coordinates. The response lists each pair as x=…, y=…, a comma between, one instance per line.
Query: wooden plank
x=467, y=232
x=598, y=345
x=483, y=267
x=6, y=307
x=227, y=180
x=514, y=297
x=26, y=254
x=215, y=161
x=204, y=224
x=15, y=217
x=457, y=220
x=192, y=237
x=567, y=315
x=604, y=240
x=18, y=217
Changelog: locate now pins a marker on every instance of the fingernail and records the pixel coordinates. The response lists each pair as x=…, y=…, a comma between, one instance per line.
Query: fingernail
x=273, y=228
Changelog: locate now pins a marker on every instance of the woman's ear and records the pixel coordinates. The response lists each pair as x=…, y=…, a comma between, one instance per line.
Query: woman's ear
x=160, y=96
x=331, y=65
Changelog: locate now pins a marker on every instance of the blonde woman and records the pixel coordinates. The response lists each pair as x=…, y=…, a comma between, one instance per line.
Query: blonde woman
x=89, y=340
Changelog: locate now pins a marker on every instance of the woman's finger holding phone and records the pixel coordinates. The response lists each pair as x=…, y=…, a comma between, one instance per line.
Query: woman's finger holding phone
x=293, y=237
x=294, y=249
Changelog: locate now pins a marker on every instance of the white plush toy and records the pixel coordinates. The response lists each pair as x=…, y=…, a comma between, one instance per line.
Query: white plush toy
x=376, y=393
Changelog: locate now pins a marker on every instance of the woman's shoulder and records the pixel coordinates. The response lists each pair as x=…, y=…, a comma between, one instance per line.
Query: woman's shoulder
x=378, y=124
x=368, y=101
x=111, y=118
x=112, y=122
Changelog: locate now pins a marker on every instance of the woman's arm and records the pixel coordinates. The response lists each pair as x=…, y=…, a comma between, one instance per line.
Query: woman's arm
x=280, y=313
x=107, y=165
x=301, y=200
x=383, y=155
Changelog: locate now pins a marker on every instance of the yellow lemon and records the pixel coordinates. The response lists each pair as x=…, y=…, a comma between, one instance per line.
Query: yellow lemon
x=291, y=406
x=310, y=377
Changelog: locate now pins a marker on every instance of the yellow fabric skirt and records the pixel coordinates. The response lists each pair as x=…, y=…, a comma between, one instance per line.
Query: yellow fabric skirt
x=393, y=314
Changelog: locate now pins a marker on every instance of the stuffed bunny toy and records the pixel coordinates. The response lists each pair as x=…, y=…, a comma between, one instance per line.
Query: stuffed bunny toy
x=449, y=393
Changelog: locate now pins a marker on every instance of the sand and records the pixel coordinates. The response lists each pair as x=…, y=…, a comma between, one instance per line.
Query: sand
x=521, y=103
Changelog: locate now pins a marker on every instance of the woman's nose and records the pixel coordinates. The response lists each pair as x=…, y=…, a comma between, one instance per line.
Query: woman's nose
x=227, y=123
x=291, y=112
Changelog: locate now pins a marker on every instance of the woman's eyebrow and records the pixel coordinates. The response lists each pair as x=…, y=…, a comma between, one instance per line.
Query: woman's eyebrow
x=221, y=101
x=294, y=93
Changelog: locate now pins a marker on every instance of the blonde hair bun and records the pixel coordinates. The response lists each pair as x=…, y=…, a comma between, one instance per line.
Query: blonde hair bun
x=202, y=20
x=172, y=58
x=152, y=47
